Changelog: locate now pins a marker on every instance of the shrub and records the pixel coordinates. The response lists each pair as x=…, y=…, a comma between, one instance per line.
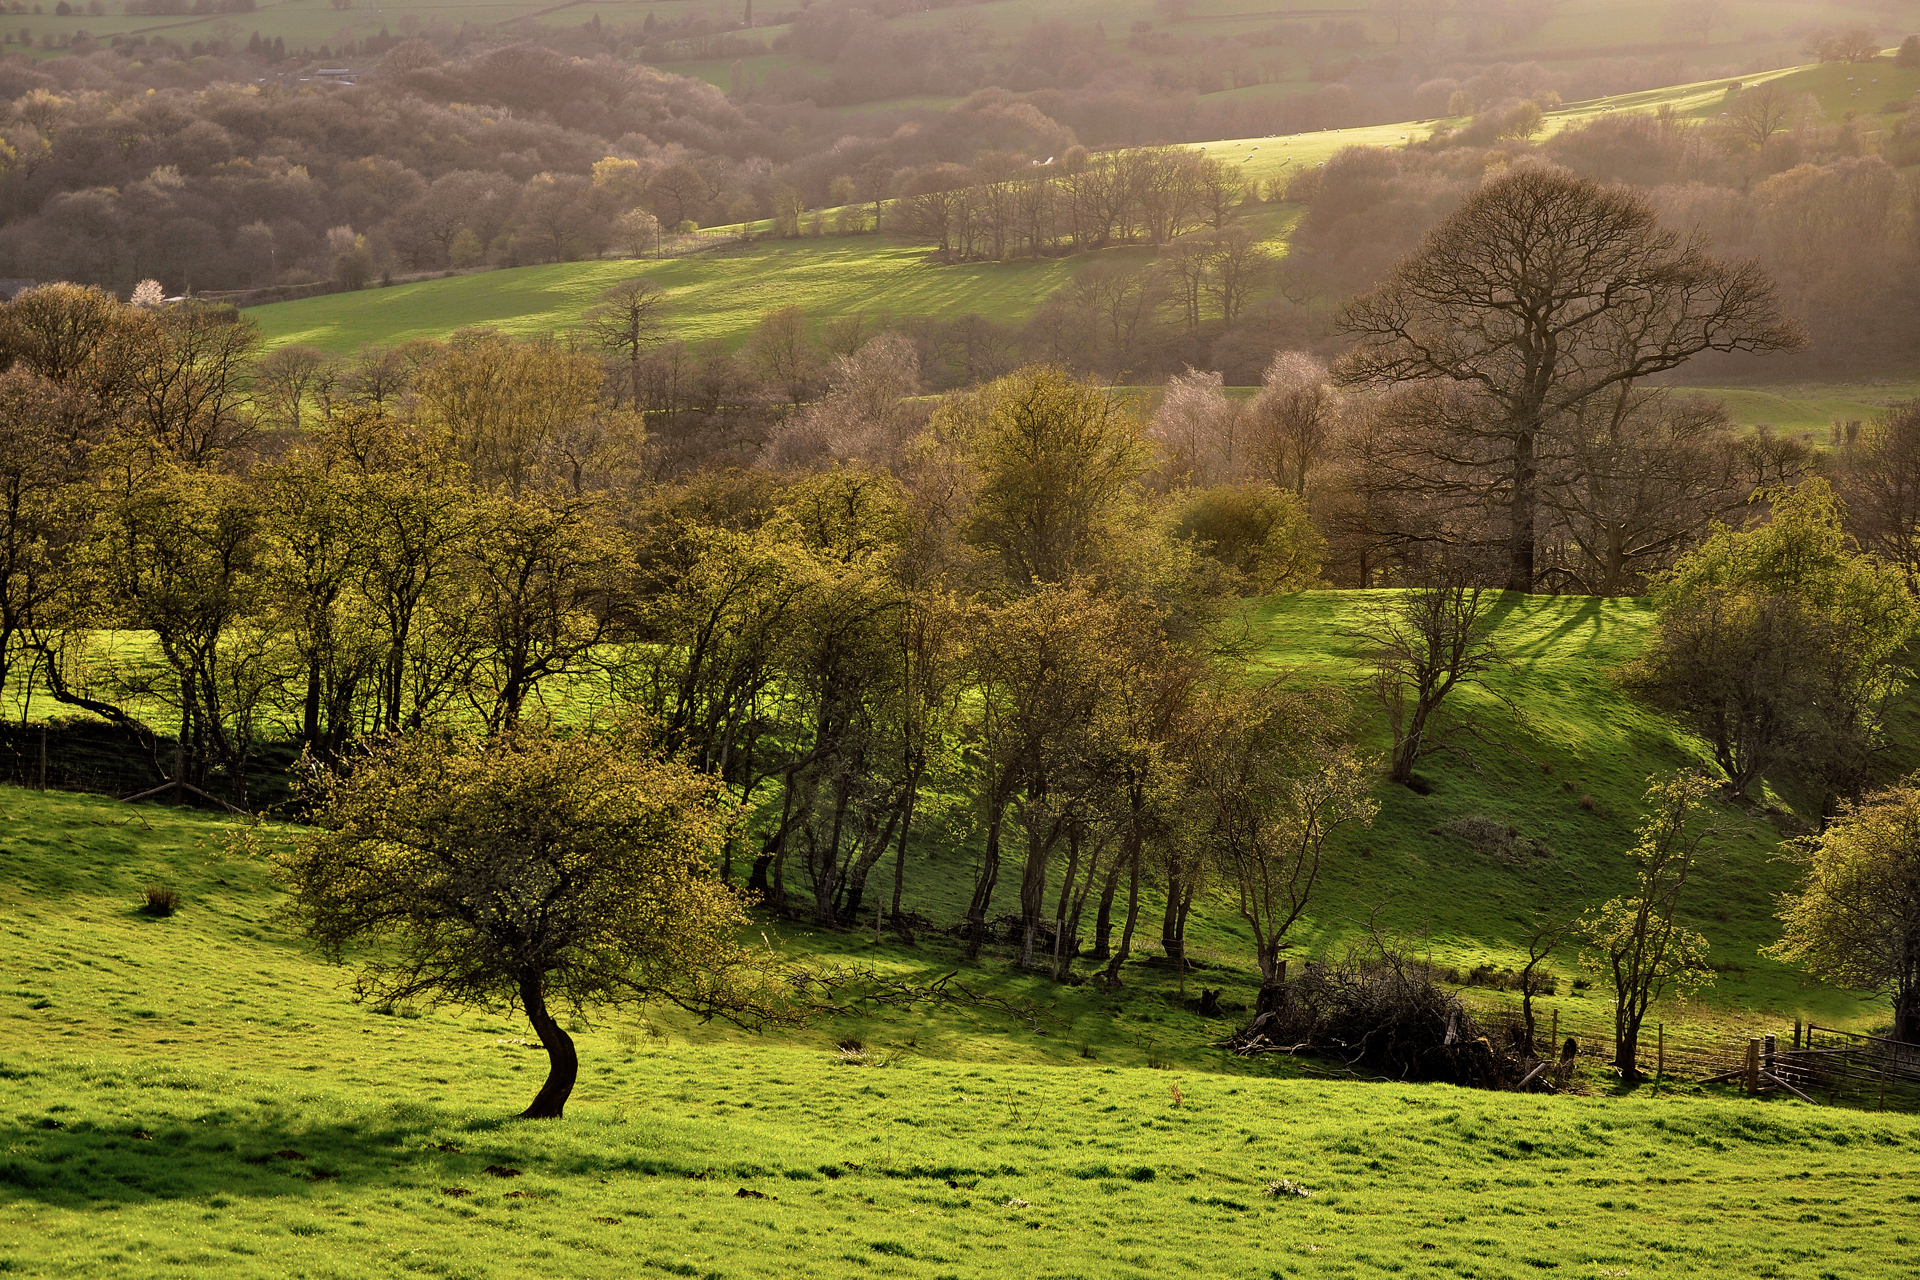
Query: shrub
x=161, y=901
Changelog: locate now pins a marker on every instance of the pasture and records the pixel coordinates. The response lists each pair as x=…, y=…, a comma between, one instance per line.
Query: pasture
x=197, y=1094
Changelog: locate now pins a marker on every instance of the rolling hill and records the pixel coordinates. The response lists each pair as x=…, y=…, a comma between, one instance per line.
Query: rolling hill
x=197, y=1093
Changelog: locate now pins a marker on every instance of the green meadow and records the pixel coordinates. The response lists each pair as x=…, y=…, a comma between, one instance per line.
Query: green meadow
x=198, y=1095
x=717, y=295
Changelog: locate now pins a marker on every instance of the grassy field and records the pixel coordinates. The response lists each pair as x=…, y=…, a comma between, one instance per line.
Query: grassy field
x=718, y=295
x=197, y=1095
x=713, y=296
x=1810, y=408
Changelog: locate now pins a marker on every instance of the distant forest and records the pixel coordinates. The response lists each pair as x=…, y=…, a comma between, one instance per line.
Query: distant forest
x=214, y=169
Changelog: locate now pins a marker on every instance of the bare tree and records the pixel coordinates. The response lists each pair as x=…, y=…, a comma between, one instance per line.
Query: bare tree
x=639, y=232
x=1199, y=429
x=628, y=321
x=1540, y=292
x=1291, y=420
x=867, y=412
x=1236, y=264
x=1880, y=480
x=1645, y=474
x=285, y=379
x=1760, y=112
x=1426, y=643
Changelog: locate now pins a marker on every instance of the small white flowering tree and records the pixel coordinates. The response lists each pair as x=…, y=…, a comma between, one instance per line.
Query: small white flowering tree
x=148, y=293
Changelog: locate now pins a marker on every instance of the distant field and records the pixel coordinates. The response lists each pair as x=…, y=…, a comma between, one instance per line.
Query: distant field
x=1811, y=408
x=719, y=295
x=1838, y=87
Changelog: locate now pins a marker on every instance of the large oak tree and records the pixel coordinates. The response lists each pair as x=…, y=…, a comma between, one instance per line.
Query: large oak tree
x=1540, y=292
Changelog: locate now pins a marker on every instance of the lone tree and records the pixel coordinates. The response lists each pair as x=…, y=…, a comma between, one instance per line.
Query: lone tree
x=532, y=868
x=1855, y=920
x=1540, y=292
x=1635, y=942
x=1275, y=777
x=1426, y=643
x=629, y=319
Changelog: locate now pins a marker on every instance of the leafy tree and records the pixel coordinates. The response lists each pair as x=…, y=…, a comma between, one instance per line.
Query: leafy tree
x=175, y=554
x=1782, y=642
x=1276, y=777
x=1540, y=292
x=318, y=539
x=1635, y=941
x=1051, y=456
x=532, y=868
x=500, y=405
x=1043, y=666
x=1855, y=919
x=1262, y=536
x=42, y=506
x=540, y=573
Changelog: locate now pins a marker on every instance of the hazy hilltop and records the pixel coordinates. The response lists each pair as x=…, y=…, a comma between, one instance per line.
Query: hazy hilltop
x=207, y=150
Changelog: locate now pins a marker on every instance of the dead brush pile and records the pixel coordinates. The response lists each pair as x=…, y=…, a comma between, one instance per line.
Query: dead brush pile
x=1382, y=1013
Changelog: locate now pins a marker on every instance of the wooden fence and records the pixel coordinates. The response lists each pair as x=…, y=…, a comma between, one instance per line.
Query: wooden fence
x=1817, y=1064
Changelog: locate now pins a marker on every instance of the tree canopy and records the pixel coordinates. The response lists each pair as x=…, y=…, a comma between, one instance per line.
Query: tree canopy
x=1855, y=918
x=534, y=868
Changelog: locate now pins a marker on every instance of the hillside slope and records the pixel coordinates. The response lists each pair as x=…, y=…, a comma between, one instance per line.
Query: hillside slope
x=720, y=295
x=198, y=1093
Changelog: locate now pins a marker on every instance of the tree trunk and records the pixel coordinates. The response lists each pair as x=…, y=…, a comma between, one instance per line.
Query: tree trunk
x=983, y=887
x=1906, y=1017
x=1103, y=918
x=563, y=1064
x=1110, y=979
x=1626, y=1051
x=1521, y=514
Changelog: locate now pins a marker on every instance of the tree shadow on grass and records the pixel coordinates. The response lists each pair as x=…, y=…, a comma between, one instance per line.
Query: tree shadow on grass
x=81, y=1164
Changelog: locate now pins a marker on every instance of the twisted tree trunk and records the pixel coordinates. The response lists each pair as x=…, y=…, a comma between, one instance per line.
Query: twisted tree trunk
x=563, y=1064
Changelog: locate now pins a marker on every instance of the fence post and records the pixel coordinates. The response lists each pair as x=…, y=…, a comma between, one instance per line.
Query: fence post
x=1555, y=1037
x=1660, y=1064
x=1753, y=1065
x=1767, y=1048
x=1796, y=1035
x=43, y=756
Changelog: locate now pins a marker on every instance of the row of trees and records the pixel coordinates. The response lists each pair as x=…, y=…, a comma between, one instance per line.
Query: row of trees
x=1007, y=206
x=475, y=550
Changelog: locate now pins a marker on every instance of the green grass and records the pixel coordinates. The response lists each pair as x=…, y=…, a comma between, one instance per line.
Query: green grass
x=719, y=295
x=1810, y=408
x=158, y=1070
x=1569, y=733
